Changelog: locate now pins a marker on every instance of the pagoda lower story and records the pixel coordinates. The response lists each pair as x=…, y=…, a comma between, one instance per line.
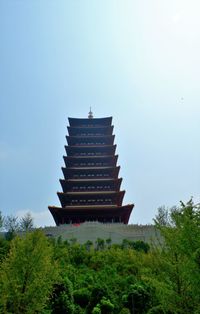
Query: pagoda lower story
x=91, y=187
x=104, y=214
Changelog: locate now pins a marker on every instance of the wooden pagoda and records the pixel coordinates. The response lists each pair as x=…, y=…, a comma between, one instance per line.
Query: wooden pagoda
x=91, y=187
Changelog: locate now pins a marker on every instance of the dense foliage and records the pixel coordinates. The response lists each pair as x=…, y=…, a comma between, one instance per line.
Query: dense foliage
x=40, y=275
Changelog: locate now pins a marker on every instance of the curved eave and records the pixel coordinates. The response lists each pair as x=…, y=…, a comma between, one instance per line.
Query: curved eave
x=111, y=159
x=60, y=214
x=91, y=180
x=89, y=137
x=74, y=140
x=85, y=161
x=94, y=127
x=89, y=146
x=85, y=169
x=90, y=157
x=89, y=207
x=116, y=196
x=95, y=121
x=92, y=193
x=67, y=184
x=108, y=149
x=94, y=171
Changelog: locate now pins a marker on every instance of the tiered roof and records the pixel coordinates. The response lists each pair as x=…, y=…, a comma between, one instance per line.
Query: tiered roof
x=91, y=187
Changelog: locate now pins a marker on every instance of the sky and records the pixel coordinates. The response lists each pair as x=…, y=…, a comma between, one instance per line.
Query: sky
x=135, y=60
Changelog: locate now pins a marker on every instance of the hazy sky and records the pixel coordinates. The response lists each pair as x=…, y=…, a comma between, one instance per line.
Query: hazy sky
x=138, y=61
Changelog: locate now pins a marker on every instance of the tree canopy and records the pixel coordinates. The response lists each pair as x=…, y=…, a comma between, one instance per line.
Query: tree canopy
x=40, y=275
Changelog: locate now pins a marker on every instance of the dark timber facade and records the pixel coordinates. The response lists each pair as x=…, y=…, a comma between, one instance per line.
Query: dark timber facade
x=91, y=187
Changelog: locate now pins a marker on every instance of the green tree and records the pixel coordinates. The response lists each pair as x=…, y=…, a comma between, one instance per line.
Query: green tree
x=100, y=244
x=136, y=245
x=96, y=310
x=26, y=222
x=88, y=245
x=62, y=301
x=11, y=225
x=157, y=310
x=99, y=290
x=139, y=298
x=106, y=306
x=180, y=255
x=82, y=297
x=125, y=310
x=108, y=242
x=4, y=248
x=27, y=275
x=1, y=220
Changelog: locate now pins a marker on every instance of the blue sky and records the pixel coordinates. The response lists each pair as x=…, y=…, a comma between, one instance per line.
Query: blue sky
x=137, y=61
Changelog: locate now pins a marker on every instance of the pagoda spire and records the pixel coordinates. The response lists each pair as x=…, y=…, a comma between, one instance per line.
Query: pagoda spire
x=90, y=114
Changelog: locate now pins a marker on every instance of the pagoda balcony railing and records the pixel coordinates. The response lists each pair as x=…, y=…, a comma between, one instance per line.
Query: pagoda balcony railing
x=93, y=164
x=91, y=188
x=91, y=175
x=91, y=202
x=90, y=134
x=91, y=125
x=91, y=154
x=89, y=143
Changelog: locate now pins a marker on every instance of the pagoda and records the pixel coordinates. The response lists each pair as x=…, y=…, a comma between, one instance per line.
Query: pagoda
x=91, y=186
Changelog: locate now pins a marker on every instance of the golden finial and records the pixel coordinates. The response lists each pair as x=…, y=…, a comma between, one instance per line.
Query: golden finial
x=90, y=114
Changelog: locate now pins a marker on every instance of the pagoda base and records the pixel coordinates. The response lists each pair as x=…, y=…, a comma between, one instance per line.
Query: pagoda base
x=80, y=214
